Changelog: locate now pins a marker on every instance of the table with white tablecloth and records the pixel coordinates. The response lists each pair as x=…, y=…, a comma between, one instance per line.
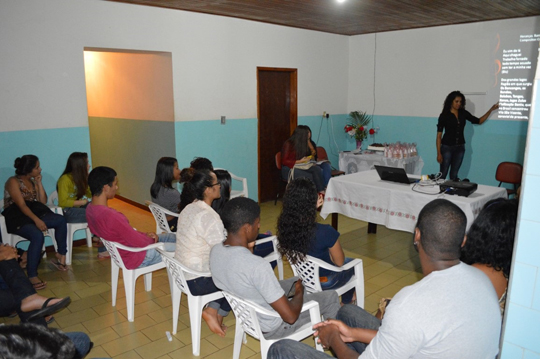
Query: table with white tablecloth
x=351, y=162
x=366, y=197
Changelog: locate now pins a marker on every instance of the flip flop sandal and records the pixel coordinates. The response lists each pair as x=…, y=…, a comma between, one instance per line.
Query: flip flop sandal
x=49, y=310
x=58, y=265
x=50, y=320
x=39, y=285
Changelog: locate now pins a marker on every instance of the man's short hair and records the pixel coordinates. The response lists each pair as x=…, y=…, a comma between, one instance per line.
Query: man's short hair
x=99, y=177
x=442, y=227
x=239, y=211
x=29, y=340
x=201, y=163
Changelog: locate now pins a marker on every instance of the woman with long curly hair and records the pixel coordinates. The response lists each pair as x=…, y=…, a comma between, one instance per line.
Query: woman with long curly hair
x=490, y=243
x=299, y=235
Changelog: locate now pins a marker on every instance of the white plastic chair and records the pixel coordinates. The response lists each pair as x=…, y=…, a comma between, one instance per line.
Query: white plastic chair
x=13, y=239
x=130, y=275
x=160, y=216
x=247, y=321
x=308, y=270
x=237, y=193
x=275, y=255
x=196, y=303
x=71, y=227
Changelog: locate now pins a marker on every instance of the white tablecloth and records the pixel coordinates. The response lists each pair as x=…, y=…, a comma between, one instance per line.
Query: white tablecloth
x=350, y=162
x=364, y=196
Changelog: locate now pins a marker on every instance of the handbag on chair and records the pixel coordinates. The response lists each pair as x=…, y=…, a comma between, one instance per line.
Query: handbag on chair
x=15, y=218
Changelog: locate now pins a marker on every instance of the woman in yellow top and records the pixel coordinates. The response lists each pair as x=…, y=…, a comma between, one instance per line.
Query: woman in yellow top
x=74, y=193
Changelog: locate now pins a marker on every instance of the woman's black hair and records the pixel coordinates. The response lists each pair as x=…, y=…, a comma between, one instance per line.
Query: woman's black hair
x=196, y=183
x=164, y=175
x=297, y=222
x=25, y=164
x=450, y=98
x=77, y=165
x=299, y=140
x=224, y=179
x=310, y=139
x=490, y=239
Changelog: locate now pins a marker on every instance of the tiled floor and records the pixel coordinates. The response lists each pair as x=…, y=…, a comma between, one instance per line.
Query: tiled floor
x=390, y=263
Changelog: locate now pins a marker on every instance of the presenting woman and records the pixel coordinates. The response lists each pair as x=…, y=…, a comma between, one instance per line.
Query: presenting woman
x=28, y=216
x=162, y=191
x=74, y=194
x=451, y=145
x=296, y=156
x=299, y=235
x=199, y=229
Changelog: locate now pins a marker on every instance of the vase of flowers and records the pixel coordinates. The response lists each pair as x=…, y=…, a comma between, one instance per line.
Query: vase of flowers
x=357, y=127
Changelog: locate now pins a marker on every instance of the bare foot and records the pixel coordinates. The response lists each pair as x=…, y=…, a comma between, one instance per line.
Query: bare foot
x=61, y=258
x=37, y=283
x=210, y=316
x=35, y=302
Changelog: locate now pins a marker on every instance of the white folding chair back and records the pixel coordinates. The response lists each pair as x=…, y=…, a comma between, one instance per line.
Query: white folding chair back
x=237, y=193
x=130, y=275
x=52, y=202
x=160, y=216
x=308, y=270
x=275, y=255
x=247, y=321
x=178, y=285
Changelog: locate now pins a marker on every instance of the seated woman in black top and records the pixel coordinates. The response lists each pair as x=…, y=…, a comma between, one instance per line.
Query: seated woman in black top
x=451, y=146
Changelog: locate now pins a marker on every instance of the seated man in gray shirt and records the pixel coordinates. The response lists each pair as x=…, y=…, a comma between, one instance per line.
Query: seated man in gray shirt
x=236, y=270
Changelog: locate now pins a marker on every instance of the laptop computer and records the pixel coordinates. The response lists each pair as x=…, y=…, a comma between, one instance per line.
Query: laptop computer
x=394, y=174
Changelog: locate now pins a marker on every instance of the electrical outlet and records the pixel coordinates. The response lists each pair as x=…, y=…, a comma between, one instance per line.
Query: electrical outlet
x=223, y=119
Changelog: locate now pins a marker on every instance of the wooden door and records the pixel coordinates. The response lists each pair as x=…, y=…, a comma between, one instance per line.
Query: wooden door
x=277, y=114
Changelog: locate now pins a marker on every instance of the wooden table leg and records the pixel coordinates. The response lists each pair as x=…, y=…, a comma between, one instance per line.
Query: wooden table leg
x=372, y=228
x=335, y=220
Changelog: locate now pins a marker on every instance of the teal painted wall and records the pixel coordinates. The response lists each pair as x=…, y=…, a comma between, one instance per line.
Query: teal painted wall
x=486, y=146
x=52, y=147
x=132, y=148
x=232, y=146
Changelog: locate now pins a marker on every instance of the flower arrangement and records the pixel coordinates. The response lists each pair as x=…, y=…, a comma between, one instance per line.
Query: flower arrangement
x=357, y=127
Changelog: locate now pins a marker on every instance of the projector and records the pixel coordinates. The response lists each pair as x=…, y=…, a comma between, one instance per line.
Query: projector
x=459, y=188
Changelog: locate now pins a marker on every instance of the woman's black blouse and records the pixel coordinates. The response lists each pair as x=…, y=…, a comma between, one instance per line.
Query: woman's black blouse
x=453, y=128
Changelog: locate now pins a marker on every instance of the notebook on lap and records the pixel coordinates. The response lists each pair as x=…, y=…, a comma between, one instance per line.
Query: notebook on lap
x=394, y=174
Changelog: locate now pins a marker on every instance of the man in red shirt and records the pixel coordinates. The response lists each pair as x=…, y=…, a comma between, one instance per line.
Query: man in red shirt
x=113, y=226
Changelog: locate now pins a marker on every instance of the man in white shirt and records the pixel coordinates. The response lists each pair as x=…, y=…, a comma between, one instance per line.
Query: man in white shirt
x=452, y=312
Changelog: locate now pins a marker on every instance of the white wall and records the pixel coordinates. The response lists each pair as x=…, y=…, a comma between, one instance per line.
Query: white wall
x=416, y=69
x=214, y=60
